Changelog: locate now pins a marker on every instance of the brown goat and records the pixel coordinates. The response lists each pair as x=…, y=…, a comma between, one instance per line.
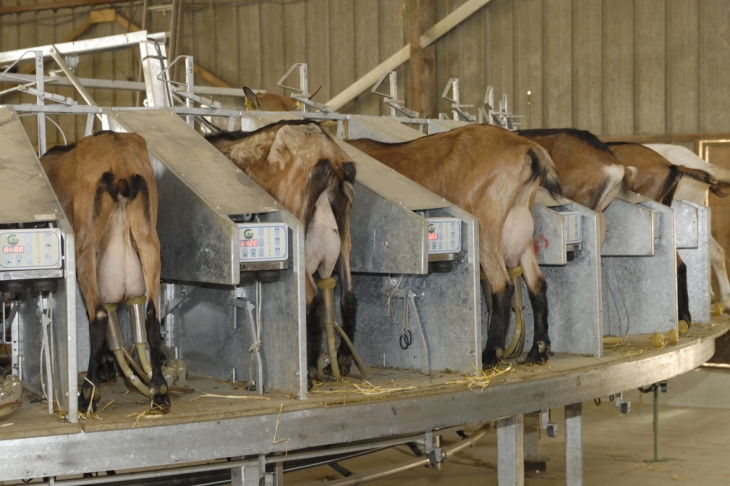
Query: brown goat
x=264, y=101
x=589, y=172
x=657, y=179
x=494, y=175
x=107, y=188
x=302, y=168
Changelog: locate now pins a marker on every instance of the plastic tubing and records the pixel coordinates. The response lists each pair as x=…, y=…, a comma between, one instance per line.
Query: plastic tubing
x=116, y=344
x=518, y=303
x=327, y=286
x=139, y=331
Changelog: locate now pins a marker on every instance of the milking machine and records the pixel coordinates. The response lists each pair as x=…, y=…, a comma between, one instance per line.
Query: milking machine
x=232, y=298
x=413, y=258
x=565, y=243
x=37, y=281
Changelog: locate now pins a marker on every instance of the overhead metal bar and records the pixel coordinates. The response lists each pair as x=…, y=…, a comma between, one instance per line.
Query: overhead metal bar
x=87, y=46
x=402, y=55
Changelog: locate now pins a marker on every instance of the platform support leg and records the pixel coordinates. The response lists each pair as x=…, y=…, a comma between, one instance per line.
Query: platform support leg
x=573, y=444
x=245, y=476
x=533, y=463
x=279, y=474
x=510, y=452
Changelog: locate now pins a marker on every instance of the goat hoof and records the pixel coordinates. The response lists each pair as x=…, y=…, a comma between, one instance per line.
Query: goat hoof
x=539, y=353
x=160, y=400
x=85, y=398
x=489, y=359
x=345, y=363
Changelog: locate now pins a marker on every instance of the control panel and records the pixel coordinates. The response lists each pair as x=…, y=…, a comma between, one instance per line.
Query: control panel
x=263, y=242
x=30, y=249
x=444, y=235
x=573, y=228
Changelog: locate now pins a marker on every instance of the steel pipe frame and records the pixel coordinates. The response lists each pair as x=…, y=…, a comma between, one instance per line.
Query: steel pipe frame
x=72, y=453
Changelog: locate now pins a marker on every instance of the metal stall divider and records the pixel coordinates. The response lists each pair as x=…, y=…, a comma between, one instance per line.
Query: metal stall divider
x=209, y=211
x=693, y=245
x=37, y=273
x=639, y=266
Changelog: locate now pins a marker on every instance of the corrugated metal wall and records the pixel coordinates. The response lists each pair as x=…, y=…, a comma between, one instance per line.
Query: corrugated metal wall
x=609, y=66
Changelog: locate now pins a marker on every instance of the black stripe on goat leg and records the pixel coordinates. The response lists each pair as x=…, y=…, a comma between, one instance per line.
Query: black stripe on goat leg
x=682, y=292
x=108, y=365
x=540, y=342
x=158, y=385
x=314, y=338
x=97, y=337
x=537, y=290
x=498, y=324
x=348, y=306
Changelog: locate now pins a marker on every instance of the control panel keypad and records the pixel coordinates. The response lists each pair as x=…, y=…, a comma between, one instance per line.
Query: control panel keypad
x=30, y=249
x=263, y=242
x=444, y=235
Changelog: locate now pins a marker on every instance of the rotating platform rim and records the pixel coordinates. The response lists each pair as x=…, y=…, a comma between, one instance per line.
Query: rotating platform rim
x=286, y=424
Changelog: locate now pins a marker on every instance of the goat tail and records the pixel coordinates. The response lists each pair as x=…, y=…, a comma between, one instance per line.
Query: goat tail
x=716, y=186
x=543, y=169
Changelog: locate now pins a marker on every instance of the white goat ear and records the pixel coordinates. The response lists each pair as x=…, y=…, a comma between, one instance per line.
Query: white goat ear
x=252, y=101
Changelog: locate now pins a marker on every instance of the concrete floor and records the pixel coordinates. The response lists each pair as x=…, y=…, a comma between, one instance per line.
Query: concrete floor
x=695, y=441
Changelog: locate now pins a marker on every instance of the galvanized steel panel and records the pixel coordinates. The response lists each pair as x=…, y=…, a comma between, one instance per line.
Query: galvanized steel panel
x=26, y=193
x=699, y=284
x=629, y=228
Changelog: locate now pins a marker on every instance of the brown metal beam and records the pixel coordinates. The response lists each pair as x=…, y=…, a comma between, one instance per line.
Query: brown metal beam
x=37, y=7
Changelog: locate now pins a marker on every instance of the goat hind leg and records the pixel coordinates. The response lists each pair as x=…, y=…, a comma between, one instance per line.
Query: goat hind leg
x=90, y=388
x=537, y=289
x=158, y=386
x=314, y=338
x=348, y=306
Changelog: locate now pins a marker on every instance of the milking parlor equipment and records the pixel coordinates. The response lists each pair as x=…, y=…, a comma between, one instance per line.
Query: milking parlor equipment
x=231, y=255
x=227, y=309
x=414, y=259
x=37, y=281
x=565, y=236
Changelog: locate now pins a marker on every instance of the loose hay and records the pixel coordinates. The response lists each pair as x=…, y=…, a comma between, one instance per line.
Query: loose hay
x=482, y=379
x=366, y=388
x=213, y=395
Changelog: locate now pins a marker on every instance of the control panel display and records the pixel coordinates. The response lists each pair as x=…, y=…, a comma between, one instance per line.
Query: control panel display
x=444, y=235
x=263, y=242
x=573, y=228
x=30, y=249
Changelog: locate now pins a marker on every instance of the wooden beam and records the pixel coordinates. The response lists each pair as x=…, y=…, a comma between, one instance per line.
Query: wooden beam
x=37, y=7
x=403, y=54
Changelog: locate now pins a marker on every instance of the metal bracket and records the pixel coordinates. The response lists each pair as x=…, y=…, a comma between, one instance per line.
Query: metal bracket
x=436, y=455
x=456, y=106
x=304, y=96
x=186, y=90
x=391, y=97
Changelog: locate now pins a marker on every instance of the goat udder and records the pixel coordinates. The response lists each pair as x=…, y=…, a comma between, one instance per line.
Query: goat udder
x=119, y=271
x=516, y=235
x=322, y=241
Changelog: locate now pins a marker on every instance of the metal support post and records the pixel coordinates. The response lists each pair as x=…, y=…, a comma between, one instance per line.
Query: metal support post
x=573, y=444
x=190, y=83
x=510, y=452
x=245, y=476
x=533, y=463
x=40, y=101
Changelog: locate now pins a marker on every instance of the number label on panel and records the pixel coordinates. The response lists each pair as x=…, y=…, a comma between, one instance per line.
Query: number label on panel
x=30, y=249
x=263, y=242
x=444, y=235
